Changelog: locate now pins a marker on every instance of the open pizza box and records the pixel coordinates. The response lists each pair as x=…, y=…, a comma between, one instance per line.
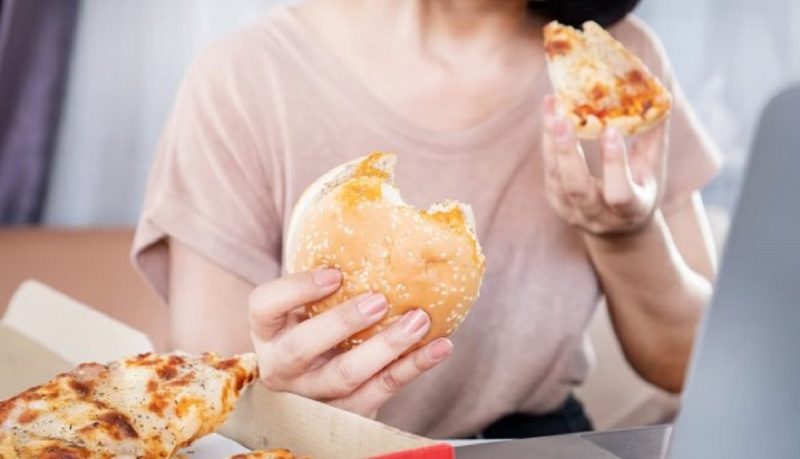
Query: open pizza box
x=44, y=332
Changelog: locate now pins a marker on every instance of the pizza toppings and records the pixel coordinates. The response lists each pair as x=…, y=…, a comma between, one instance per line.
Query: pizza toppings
x=271, y=454
x=599, y=83
x=146, y=406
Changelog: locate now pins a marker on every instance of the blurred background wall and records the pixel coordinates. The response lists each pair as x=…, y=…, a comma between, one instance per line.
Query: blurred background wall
x=129, y=56
x=127, y=61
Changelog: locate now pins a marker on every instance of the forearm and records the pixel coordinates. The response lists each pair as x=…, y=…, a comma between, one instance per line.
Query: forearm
x=655, y=299
x=201, y=331
x=207, y=305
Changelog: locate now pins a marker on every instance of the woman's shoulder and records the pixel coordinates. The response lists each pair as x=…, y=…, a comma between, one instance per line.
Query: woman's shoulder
x=643, y=41
x=240, y=81
x=256, y=52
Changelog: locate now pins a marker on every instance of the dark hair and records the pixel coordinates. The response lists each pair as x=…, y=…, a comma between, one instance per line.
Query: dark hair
x=576, y=12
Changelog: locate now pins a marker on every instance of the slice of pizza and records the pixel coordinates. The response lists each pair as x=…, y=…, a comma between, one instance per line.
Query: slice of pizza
x=271, y=454
x=22, y=445
x=599, y=83
x=148, y=406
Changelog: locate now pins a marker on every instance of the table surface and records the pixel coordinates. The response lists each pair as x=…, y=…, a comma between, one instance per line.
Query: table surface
x=639, y=443
x=642, y=443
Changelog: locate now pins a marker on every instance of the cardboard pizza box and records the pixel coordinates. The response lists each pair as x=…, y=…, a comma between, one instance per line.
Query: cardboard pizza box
x=44, y=332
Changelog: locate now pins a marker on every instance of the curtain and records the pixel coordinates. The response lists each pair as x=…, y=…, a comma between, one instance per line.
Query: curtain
x=35, y=39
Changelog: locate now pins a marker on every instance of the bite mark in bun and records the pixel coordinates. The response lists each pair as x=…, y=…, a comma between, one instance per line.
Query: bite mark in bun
x=354, y=219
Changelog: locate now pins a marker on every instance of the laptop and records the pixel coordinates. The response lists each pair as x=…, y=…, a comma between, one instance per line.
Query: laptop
x=742, y=397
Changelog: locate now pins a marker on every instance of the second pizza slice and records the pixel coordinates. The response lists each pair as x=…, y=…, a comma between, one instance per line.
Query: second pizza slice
x=599, y=83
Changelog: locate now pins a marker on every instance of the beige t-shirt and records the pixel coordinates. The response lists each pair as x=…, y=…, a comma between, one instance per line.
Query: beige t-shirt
x=265, y=112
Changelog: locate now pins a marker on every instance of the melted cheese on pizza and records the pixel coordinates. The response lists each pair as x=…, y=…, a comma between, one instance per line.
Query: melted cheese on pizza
x=147, y=406
x=271, y=454
x=598, y=82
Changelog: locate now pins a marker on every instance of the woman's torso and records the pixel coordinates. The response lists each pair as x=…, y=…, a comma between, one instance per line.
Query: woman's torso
x=521, y=347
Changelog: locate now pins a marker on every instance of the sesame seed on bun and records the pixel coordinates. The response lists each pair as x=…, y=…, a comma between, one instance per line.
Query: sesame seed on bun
x=353, y=219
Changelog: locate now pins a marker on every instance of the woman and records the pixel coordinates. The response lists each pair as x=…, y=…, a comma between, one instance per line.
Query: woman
x=458, y=90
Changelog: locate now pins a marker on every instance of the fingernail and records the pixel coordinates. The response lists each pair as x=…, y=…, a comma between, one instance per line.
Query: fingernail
x=326, y=277
x=611, y=135
x=414, y=321
x=439, y=349
x=560, y=131
x=372, y=305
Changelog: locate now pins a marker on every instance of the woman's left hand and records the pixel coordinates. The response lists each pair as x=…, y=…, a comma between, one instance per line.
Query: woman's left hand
x=626, y=196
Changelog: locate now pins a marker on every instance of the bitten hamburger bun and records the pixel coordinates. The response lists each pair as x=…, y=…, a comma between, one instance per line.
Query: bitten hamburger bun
x=353, y=219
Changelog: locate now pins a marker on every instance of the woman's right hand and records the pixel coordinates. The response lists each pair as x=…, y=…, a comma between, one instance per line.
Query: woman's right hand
x=298, y=356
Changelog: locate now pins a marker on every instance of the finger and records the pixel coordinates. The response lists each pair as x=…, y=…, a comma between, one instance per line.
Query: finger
x=619, y=190
x=548, y=143
x=297, y=349
x=552, y=185
x=556, y=199
x=342, y=375
x=648, y=153
x=549, y=106
x=272, y=301
x=368, y=398
x=655, y=142
x=576, y=180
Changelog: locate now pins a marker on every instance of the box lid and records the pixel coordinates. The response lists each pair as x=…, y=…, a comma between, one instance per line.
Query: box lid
x=44, y=332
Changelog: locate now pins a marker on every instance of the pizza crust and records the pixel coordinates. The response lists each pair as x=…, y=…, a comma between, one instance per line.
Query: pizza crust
x=599, y=83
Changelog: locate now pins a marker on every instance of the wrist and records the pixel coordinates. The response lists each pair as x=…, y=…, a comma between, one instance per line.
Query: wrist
x=630, y=240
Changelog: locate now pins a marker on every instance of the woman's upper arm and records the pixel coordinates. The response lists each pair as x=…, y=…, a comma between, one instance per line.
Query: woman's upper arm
x=691, y=233
x=210, y=227
x=207, y=304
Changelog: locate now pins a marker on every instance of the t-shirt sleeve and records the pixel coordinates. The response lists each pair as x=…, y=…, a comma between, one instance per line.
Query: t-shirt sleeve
x=213, y=180
x=692, y=158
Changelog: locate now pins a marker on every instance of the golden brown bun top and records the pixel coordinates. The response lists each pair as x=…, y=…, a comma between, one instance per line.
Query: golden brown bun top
x=416, y=258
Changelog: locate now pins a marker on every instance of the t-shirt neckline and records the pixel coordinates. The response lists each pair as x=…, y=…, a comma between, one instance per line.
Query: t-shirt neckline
x=467, y=140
